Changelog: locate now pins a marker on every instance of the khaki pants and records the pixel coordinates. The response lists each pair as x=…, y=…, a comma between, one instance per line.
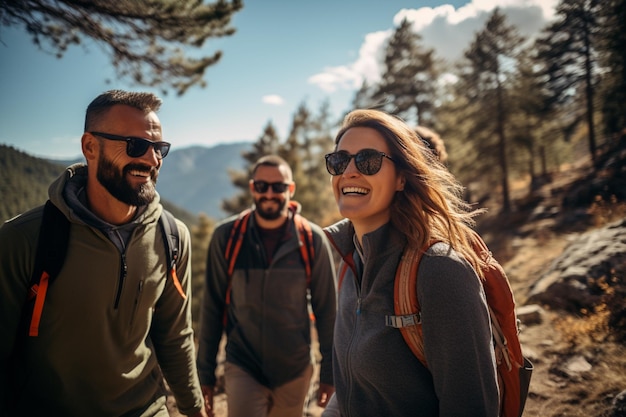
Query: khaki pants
x=247, y=398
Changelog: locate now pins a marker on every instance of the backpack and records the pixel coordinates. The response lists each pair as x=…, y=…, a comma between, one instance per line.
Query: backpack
x=52, y=248
x=513, y=369
x=238, y=231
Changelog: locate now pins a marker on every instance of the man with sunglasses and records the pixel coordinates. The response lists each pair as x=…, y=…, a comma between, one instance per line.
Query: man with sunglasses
x=113, y=321
x=263, y=307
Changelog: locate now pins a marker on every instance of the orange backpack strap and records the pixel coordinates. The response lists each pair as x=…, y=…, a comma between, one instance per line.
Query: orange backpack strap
x=171, y=241
x=307, y=249
x=407, y=316
x=233, y=246
x=235, y=240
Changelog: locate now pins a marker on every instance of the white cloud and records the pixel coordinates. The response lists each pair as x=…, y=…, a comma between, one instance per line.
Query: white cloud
x=445, y=29
x=351, y=76
x=273, y=99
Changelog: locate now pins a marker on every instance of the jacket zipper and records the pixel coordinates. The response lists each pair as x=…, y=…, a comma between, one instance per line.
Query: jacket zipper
x=120, y=287
x=137, y=299
x=349, y=353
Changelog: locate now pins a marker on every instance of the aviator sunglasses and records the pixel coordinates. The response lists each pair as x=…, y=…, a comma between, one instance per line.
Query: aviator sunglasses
x=263, y=186
x=367, y=161
x=136, y=147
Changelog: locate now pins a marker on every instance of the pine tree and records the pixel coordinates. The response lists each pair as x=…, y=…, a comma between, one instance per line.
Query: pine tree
x=308, y=141
x=148, y=41
x=483, y=82
x=529, y=119
x=408, y=85
x=567, y=49
x=364, y=97
x=612, y=58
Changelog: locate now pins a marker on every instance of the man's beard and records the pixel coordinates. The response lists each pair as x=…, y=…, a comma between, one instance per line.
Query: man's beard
x=116, y=184
x=267, y=214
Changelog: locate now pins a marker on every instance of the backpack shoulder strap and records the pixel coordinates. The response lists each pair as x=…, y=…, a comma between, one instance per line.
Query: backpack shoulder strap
x=233, y=246
x=49, y=258
x=235, y=239
x=171, y=240
x=307, y=249
x=407, y=316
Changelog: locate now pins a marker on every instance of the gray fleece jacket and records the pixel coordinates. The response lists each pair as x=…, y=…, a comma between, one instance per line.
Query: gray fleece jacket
x=375, y=372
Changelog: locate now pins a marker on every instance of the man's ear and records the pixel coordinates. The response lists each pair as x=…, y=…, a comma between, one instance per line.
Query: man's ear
x=292, y=189
x=90, y=146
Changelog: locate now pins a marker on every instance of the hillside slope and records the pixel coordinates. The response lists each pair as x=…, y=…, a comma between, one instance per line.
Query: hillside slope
x=580, y=361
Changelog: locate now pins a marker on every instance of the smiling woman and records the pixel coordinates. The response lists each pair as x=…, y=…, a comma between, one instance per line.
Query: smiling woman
x=396, y=196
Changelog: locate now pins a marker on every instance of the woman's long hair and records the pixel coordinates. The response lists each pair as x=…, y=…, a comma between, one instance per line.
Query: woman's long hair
x=431, y=207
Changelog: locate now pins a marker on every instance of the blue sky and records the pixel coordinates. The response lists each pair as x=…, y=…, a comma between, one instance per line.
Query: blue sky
x=282, y=54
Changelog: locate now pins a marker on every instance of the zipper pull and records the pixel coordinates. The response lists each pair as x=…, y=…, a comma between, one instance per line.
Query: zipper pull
x=358, y=306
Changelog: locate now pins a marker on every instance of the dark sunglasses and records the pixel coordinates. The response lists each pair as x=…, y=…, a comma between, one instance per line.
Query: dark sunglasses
x=136, y=147
x=368, y=161
x=263, y=186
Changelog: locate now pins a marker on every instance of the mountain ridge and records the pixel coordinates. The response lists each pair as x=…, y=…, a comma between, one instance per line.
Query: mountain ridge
x=192, y=180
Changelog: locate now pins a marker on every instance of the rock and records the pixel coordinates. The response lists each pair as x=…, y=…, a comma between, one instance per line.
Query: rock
x=576, y=365
x=530, y=314
x=577, y=280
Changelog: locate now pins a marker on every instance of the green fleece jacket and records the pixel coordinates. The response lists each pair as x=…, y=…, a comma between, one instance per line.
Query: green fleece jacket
x=112, y=319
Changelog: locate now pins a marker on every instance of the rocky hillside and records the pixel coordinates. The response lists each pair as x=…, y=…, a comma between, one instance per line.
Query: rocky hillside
x=564, y=250
x=565, y=255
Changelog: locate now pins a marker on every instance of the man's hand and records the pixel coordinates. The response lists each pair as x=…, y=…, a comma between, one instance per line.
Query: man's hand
x=324, y=393
x=207, y=393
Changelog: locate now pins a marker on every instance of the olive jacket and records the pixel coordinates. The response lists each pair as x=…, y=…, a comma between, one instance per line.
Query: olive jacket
x=112, y=322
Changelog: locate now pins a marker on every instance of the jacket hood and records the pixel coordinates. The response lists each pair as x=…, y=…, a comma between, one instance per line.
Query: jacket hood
x=68, y=193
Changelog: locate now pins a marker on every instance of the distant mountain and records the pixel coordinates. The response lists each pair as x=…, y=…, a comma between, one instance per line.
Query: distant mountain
x=24, y=181
x=197, y=178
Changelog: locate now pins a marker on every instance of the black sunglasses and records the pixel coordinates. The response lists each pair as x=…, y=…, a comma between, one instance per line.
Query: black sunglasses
x=136, y=147
x=368, y=161
x=263, y=186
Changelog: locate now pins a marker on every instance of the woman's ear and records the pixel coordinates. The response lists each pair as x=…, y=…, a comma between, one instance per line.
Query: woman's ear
x=400, y=182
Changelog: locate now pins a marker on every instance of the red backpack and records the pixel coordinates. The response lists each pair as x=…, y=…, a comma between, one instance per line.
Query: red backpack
x=513, y=369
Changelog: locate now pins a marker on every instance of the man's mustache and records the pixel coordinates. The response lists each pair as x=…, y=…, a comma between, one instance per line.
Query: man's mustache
x=275, y=200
